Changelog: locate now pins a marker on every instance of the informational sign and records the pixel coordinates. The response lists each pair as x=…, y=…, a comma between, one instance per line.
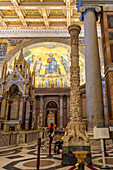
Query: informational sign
x=111, y=128
x=101, y=132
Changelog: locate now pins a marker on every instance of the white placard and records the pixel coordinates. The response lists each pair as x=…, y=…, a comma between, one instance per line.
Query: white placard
x=111, y=128
x=101, y=132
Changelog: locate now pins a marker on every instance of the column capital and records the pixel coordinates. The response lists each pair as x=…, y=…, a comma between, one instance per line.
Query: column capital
x=85, y=9
x=74, y=30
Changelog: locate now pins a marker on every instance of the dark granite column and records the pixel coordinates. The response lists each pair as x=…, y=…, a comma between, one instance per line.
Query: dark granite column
x=31, y=114
x=9, y=110
x=24, y=113
x=94, y=96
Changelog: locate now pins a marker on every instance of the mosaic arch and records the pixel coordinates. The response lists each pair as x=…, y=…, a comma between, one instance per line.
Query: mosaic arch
x=51, y=62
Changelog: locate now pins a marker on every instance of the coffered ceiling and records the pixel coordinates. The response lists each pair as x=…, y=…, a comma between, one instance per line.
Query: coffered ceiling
x=38, y=14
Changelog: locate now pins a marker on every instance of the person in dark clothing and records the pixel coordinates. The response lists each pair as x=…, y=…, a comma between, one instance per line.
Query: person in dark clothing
x=58, y=145
x=51, y=131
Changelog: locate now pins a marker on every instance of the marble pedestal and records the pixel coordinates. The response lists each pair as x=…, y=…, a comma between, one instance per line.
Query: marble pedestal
x=70, y=159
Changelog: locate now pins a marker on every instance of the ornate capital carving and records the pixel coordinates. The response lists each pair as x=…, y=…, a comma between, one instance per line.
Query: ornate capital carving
x=85, y=8
x=74, y=30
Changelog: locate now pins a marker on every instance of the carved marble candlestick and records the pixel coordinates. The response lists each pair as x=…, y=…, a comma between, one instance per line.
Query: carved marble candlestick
x=75, y=138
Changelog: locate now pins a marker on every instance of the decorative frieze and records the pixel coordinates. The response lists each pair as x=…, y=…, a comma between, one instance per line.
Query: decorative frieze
x=36, y=33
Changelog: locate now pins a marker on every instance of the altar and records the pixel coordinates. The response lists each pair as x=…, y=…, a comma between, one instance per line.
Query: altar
x=51, y=118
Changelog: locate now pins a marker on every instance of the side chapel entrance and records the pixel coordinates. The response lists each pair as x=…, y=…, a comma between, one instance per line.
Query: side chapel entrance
x=51, y=113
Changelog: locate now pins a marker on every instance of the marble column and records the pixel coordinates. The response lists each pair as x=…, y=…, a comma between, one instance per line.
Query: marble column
x=68, y=108
x=94, y=97
x=24, y=113
x=61, y=113
x=75, y=137
x=41, y=111
x=31, y=114
x=9, y=110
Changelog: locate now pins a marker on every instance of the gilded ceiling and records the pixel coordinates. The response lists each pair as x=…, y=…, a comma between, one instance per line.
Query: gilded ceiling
x=38, y=14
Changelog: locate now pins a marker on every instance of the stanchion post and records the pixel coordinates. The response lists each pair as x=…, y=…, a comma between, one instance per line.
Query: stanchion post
x=38, y=154
x=50, y=156
x=81, y=166
x=105, y=153
x=50, y=145
x=80, y=155
x=102, y=148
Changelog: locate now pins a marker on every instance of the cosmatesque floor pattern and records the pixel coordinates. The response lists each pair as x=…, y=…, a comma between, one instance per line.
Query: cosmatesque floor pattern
x=24, y=157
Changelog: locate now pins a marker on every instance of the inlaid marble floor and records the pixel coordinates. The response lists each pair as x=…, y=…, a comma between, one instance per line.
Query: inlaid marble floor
x=24, y=158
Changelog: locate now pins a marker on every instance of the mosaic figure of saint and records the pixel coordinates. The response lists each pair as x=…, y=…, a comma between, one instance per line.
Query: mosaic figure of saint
x=52, y=67
x=65, y=64
x=58, y=83
x=46, y=83
x=65, y=83
x=39, y=83
x=30, y=60
x=37, y=66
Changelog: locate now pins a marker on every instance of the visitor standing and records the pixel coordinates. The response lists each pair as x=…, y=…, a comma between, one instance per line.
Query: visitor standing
x=51, y=131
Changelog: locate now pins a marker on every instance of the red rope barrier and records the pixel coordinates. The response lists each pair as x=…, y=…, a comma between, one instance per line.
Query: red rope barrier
x=44, y=149
x=103, y=151
x=109, y=147
x=73, y=167
x=61, y=152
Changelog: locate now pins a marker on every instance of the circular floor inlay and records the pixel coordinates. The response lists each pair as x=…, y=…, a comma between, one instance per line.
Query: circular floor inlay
x=107, y=160
x=42, y=163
